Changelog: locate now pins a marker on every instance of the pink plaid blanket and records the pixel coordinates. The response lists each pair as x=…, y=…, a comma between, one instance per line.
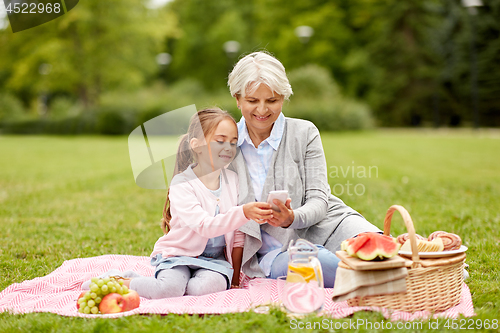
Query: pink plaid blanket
x=59, y=291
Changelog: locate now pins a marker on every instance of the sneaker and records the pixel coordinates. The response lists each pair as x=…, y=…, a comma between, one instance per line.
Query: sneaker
x=466, y=273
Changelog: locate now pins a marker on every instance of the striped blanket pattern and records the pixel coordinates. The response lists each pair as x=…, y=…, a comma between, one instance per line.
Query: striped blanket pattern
x=59, y=291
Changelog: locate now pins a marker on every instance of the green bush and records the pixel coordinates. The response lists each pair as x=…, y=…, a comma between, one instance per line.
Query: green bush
x=317, y=98
x=148, y=114
x=64, y=107
x=81, y=124
x=10, y=108
x=111, y=122
x=312, y=82
x=159, y=99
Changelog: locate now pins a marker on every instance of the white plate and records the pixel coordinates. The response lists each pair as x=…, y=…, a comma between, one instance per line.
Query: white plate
x=427, y=255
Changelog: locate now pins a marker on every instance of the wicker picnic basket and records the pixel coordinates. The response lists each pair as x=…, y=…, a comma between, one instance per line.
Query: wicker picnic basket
x=431, y=284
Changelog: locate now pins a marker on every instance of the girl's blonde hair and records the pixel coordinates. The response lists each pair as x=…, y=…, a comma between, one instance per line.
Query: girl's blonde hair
x=202, y=125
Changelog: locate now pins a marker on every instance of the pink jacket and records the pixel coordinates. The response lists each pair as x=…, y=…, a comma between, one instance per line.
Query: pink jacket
x=192, y=207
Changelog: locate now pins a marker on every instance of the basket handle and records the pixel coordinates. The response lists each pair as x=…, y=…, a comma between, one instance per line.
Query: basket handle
x=409, y=226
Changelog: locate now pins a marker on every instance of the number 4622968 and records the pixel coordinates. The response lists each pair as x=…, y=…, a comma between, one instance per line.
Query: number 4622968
x=33, y=8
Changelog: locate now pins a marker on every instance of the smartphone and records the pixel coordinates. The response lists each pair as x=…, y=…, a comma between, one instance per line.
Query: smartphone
x=280, y=195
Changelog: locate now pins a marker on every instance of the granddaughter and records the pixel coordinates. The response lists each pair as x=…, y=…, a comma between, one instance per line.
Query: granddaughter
x=200, y=245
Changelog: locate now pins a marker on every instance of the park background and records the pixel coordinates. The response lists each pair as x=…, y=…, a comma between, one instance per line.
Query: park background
x=108, y=66
x=408, y=87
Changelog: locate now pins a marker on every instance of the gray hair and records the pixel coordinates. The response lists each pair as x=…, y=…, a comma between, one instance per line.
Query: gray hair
x=257, y=68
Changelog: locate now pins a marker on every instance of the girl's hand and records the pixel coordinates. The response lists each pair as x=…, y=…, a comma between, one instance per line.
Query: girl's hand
x=285, y=217
x=258, y=211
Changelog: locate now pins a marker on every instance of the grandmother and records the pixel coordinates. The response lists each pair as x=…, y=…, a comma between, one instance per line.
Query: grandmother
x=280, y=153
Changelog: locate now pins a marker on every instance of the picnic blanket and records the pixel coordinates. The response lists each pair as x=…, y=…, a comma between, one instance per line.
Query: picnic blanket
x=59, y=291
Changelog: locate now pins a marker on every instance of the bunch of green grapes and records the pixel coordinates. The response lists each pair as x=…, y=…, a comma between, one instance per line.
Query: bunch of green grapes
x=89, y=301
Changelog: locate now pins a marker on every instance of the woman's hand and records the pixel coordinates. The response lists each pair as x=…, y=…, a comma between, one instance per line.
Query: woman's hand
x=284, y=218
x=258, y=211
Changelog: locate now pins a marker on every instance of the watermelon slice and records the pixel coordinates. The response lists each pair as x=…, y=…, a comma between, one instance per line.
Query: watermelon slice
x=352, y=245
x=372, y=245
x=358, y=242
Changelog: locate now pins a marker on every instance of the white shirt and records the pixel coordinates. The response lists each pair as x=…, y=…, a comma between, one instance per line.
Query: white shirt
x=258, y=159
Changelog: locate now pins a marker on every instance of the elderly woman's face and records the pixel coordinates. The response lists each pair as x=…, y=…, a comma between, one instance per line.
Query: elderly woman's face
x=260, y=108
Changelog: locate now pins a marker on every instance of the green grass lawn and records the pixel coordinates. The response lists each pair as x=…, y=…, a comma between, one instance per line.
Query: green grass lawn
x=72, y=197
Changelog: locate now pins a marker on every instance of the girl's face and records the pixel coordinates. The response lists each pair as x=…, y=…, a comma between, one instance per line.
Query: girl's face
x=260, y=108
x=222, y=146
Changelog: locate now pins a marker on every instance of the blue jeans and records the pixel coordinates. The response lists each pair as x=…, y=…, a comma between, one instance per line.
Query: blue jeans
x=329, y=263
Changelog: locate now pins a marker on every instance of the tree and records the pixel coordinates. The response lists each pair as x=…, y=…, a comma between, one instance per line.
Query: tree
x=97, y=46
x=206, y=26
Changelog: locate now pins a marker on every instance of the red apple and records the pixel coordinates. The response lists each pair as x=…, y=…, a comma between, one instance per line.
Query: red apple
x=112, y=303
x=132, y=300
x=81, y=295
